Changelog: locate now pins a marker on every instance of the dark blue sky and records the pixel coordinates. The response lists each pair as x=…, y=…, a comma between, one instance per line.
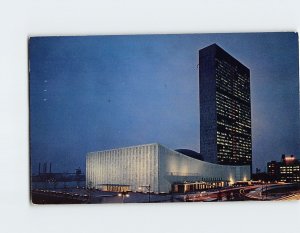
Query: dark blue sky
x=103, y=92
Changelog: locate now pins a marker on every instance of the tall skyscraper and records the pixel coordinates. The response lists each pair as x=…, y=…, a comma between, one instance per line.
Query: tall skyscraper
x=225, y=108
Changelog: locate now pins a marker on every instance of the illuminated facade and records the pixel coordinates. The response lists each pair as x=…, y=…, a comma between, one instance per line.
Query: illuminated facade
x=287, y=170
x=134, y=167
x=225, y=108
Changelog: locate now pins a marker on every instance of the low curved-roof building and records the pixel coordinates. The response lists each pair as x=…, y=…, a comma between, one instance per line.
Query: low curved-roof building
x=154, y=166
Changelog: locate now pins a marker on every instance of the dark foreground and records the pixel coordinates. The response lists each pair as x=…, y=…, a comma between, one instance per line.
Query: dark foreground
x=265, y=192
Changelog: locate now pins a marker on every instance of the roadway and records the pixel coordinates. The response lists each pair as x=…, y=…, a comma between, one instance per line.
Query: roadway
x=265, y=192
x=224, y=194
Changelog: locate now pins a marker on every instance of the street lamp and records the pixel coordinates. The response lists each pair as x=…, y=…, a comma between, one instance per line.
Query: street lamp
x=123, y=195
x=264, y=188
x=148, y=187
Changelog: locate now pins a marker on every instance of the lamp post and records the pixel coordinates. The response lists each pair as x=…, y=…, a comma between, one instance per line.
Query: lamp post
x=123, y=195
x=266, y=191
x=261, y=191
x=264, y=188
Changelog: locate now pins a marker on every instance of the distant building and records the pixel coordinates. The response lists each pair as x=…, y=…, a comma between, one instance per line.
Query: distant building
x=225, y=108
x=287, y=170
x=155, y=166
x=273, y=170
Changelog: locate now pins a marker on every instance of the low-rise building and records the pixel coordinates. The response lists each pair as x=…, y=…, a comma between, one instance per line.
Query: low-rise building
x=287, y=170
x=158, y=169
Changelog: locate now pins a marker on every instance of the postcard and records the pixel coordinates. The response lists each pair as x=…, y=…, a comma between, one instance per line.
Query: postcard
x=164, y=118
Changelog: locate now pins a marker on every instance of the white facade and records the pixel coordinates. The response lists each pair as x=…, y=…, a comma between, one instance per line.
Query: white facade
x=154, y=165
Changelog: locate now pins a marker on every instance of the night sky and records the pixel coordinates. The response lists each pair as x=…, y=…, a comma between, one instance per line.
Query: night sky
x=104, y=92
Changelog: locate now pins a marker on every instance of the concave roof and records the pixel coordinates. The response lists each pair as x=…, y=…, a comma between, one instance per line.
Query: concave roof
x=190, y=153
